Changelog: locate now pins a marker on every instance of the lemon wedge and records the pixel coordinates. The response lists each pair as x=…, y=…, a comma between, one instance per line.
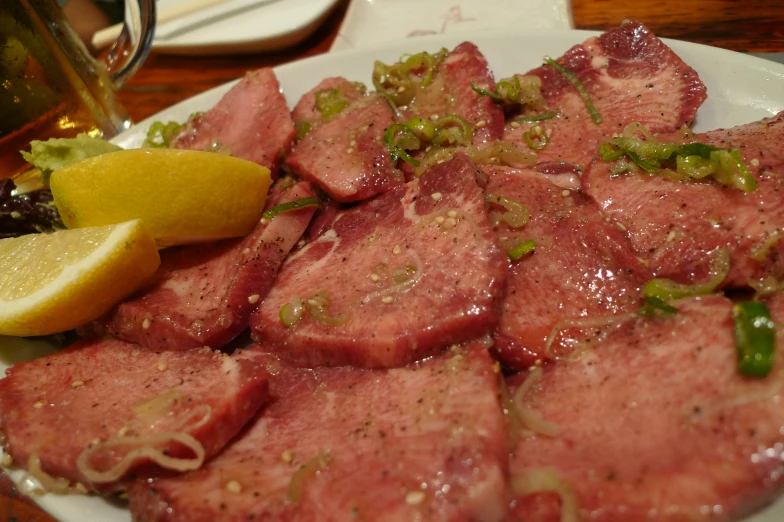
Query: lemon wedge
x=54, y=282
x=183, y=196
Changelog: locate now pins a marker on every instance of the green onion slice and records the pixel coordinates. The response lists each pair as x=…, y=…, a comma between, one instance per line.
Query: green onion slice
x=755, y=338
x=517, y=214
x=422, y=128
x=653, y=306
x=291, y=205
x=521, y=250
x=398, y=138
x=160, y=134
x=318, y=308
x=666, y=289
x=291, y=312
x=691, y=161
x=536, y=138
x=302, y=128
x=537, y=117
x=452, y=130
x=330, y=102
x=574, y=80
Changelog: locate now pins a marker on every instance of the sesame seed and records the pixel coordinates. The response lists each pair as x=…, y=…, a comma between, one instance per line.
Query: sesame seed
x=287, y=456
x=754, y=162
x=414, y=498
x=401, y=89
x=264, y=221
x=515, y=124
x=450, y=223
x=77, y=384
x=436, y=196
x=387, y=299
x=122, y=431
x=434, y=116
x=301, y=242
x=162, y=367
x=353, y=143
x=80, y=488
x=440, y=220
x=565, y=193
x=620, y=226
x=134, y=352
x=548, y=132
x=452, y=213
x=480, y=124
x=349, y=150
x=253, y=299
x=40, y=404
x=374, y=277
x=7, y=460
x=396, y=249
x=246, y=251
x=146, y=324
x=233, y=486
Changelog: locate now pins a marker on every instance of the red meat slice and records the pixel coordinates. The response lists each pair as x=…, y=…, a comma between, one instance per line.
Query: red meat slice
x=102, y=398
x=679, y=225
x=582, y=266
x=450, y=93
x=306, y=112
x=203, y=294
x=252, y=121
x=404, y=276
x=425, y=443
x=346, y=155
x=631, y=76
x=656, y=423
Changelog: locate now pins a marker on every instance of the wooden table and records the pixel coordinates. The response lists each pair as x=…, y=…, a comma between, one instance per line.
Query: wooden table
x=747, y=26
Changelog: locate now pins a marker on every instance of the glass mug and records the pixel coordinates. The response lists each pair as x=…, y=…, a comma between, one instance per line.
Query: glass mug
x=51, y=87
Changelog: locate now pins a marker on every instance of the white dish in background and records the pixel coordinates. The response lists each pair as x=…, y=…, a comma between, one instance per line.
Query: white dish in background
x=377, y=21
x=741, y=89
x=243, y=26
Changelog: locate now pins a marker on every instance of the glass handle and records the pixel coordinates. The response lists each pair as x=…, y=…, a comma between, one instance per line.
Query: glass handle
x=132, y=47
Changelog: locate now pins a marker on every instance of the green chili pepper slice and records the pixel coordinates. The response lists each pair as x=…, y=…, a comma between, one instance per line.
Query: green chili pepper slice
x=517, y=214
x=452, y=130
x=521, y=250
x=422, y=128
x=755, y=338
x=291, y=312
x=160, y=134
x=302, y=128
x=574, y=80
x=291, y=205
x=536, y=140
x=398, y=137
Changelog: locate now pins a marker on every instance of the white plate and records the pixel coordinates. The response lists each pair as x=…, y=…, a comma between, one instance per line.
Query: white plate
x=741, y=89
x=270, y=25
x=377, y=21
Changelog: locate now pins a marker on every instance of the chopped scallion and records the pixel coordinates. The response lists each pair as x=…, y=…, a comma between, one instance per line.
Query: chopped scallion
x=653, y=306
x=537, y=117
x=574, y=80
x=330, y=102
x=521, y=250
x=517, y=214
x=291, y=205
x=666, y=289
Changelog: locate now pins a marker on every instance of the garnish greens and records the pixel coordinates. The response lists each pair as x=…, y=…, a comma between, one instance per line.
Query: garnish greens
x=755, y=338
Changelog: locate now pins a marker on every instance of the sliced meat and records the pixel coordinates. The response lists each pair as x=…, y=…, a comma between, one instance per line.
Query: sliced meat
x=393, y=280
x=306, y=112
x=346, y=155
x=252, y=121
x=450, y=93
x=583, y=267
x=422, y=443
x=104, y=401
x=656, y=423
x=678, y=226
x=203, y=294
x=631, y=76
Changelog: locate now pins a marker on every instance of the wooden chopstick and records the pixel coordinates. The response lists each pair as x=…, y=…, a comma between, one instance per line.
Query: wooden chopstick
x=106, y=36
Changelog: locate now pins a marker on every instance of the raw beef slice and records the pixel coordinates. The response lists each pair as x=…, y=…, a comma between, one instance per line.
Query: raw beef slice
x=393, y=280
x=583, y=268
x=99, y=401
x=203, y=294
x=630, y=75
x=252, y=121
x=654, y=423
x=678, y=226
x=426, y=443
